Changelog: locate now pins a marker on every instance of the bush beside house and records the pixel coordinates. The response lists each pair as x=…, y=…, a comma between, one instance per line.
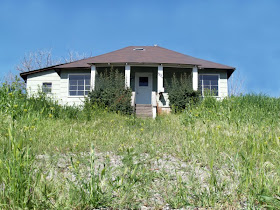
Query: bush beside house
x=181, y=93
x=111, y=93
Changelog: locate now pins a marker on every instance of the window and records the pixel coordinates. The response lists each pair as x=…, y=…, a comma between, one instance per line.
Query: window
x=143, y=81
x=47, y=87
x=139, y=49
x=209, y=84
x=79, y=84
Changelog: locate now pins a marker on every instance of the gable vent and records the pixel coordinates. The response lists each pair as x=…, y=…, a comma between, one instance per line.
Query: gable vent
x=139, y=49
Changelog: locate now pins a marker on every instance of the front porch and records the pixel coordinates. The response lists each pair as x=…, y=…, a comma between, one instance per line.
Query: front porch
x=148, y=83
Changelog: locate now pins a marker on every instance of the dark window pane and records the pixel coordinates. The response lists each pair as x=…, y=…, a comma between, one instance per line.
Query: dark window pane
x=73, y=82
x=214, y=88
x=206, y=82
x=76, y=77
x=72, y=93
x=200, y=83
x=143, y=81
x=47, y=87
x=206, y=87
x=207, y=91
x=80, y=82
x=47, y=84
x=210, y=77
x=214, y=82
x=86, y=92
x=200, y=89
x=209, y=84
x=73, y=87
x=87, y=82
x=214, y=91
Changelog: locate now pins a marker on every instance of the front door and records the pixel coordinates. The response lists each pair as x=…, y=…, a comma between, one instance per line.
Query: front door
x=143, y=88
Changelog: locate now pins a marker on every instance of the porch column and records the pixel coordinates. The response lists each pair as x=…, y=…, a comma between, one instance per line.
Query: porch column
x=92, y=77
x=127, y=76
x=195, y=78
x=160, y=79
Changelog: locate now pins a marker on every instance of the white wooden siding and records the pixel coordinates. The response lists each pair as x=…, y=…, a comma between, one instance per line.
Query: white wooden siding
x=59, y=85
x=35, y=81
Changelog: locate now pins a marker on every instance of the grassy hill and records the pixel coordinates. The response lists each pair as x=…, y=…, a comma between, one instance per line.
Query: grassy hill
x=220, y=154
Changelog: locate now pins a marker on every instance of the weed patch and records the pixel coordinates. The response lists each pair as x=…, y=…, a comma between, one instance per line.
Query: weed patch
x=215, y=154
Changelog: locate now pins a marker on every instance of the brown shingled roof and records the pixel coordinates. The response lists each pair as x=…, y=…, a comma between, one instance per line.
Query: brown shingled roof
x=145, y=54
x=141, y=55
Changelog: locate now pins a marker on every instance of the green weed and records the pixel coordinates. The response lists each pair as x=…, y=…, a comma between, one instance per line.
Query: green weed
x=217, y=154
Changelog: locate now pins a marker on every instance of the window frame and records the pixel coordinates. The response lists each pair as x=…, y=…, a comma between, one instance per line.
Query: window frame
x=203, y=87
x=50, y=92
x=68, y=86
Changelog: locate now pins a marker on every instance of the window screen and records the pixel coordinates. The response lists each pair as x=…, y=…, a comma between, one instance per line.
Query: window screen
x=47, y=87
x=79, y=85
x=208, y=84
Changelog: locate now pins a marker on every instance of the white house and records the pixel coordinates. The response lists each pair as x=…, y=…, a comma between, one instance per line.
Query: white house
x=145, y=69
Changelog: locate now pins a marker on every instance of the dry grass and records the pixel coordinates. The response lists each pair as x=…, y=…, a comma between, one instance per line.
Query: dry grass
x=216, y=154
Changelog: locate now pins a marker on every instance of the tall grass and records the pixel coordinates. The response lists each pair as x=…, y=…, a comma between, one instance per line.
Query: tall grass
x=219, y=154
x=241, y=133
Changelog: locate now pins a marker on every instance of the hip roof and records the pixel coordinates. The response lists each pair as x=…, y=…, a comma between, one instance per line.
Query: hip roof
x=138, y=55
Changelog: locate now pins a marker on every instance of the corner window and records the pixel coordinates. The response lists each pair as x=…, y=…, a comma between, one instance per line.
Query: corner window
x=209, y=85
x=79, y=84
x=47, y=87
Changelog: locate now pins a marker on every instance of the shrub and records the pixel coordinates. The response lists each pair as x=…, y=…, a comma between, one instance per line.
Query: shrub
x=110, y=92
x=180, y=93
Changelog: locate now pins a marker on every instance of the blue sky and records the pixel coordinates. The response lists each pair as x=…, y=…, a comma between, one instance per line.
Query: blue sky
x=243, y=34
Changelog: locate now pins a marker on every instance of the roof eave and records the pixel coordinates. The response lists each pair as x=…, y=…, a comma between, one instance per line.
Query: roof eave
x=229, y=70
x=25, y=74
x=143, y=63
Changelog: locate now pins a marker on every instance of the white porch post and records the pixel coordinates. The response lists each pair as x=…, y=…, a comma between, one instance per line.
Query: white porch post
x=195, y=78
x=160, y=79
x=92, y=77
x=127, y=76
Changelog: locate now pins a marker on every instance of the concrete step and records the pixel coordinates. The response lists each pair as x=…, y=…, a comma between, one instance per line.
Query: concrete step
x=144, y=110
x=144, y=113
x=143, y=105
x=148, y=114
x=147, y=109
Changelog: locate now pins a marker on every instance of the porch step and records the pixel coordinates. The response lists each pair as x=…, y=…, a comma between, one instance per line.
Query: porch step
x=144, y=110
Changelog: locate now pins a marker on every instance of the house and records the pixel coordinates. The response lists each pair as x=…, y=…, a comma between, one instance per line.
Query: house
x=145, y=69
